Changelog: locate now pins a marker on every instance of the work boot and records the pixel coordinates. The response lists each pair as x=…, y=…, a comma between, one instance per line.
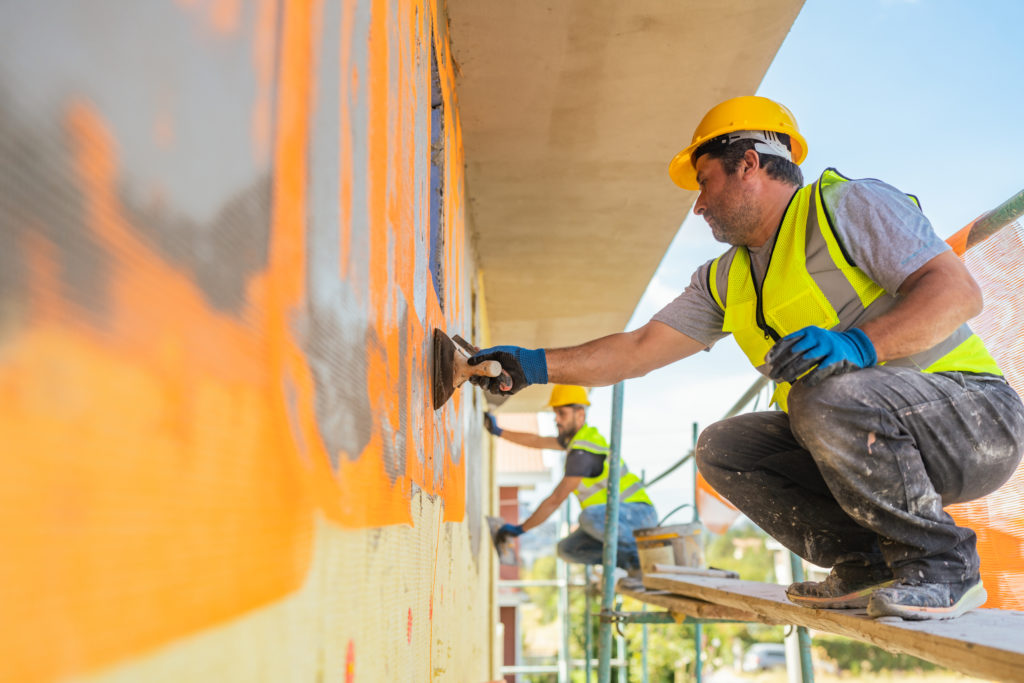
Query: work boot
x=927, y=600
x=837, y=593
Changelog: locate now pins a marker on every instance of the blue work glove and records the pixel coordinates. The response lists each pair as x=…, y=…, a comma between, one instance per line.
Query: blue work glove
x=524, y=366
x=507, y=531
x=822, y=352
x=491, y=425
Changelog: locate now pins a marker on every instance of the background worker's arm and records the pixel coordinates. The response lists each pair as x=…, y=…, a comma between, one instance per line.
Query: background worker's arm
x=527, y=439
x=531, y=440
x=552, y=502
x=933, y=301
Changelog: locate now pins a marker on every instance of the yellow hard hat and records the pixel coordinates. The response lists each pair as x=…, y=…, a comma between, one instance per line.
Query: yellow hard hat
x=568, y=394
x=749, y=112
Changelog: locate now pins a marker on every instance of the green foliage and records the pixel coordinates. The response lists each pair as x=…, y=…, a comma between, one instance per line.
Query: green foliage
x=742, y=550
x=544, y=597
x=668, y=647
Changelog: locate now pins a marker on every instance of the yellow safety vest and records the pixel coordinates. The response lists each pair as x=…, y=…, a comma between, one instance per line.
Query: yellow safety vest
x=811, y=280
x=594, y=490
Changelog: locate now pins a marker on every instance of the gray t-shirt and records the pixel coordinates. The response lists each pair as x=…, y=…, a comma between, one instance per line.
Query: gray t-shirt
x=881, y=229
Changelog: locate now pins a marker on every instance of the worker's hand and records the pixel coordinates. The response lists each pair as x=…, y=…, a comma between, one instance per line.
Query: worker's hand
x=822, y=352
x=491, y=425
x=524, y=366
x=507, y=531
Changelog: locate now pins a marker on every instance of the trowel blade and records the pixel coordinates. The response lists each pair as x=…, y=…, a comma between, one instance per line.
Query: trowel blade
x=507, y=550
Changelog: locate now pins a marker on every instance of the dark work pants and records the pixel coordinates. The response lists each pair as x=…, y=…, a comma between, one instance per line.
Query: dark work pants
x=856, y=475
x=585, y=545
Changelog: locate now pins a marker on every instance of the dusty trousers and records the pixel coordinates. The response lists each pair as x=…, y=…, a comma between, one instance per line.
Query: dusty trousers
x=856, y=475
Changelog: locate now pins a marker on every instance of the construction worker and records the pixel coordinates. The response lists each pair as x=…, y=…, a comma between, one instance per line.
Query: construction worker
x=889, y=406
x=586, y=475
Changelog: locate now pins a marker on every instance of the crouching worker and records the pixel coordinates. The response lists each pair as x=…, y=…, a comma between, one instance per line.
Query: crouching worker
x=586, y=475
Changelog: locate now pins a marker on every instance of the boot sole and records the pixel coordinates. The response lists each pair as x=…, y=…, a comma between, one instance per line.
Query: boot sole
x=975, y=596
x=855, y=600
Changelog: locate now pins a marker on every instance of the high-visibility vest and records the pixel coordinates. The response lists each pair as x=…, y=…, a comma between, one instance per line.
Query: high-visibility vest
x=812, y=280
x=594, y=490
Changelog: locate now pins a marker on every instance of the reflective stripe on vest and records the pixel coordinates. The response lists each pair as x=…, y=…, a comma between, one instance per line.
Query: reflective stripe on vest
x=594, y=490
x=810, y=280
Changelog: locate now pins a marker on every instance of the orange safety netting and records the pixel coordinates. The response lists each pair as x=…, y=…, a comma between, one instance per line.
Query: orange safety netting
x=998, y=519
x=997, y=263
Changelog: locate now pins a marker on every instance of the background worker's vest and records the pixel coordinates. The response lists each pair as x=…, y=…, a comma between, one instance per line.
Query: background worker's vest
x=594, y=490
x=811, y=280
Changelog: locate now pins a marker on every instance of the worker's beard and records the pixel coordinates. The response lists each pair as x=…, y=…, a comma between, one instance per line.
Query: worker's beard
x=565, y=435
x=733, y=222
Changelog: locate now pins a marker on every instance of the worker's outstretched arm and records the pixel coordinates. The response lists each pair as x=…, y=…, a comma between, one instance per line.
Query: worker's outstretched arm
x=599, y=362
x=620, y=356
x=522, y=438
x=552, y=502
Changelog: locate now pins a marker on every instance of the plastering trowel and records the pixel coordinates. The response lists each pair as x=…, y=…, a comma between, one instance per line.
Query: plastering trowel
x=507, y=550
x=451, y=368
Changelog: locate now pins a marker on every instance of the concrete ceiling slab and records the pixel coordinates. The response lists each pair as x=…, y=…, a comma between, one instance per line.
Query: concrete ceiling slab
x=571, y=112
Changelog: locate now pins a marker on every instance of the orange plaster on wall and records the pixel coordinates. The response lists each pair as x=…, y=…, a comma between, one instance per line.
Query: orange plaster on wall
x=394, y=70
x=173, y=452
x=150, y=452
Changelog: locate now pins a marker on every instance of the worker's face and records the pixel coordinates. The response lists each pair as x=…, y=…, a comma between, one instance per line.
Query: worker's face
x=569, y=420
x=725, y=202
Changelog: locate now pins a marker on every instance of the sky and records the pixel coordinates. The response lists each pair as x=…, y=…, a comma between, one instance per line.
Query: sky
x=927, y=95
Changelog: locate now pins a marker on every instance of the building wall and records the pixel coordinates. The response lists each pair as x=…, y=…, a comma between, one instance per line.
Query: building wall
x=508, y=509
x=227, y=231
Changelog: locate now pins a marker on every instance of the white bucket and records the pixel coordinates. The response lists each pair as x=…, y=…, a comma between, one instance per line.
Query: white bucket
x=676, y=544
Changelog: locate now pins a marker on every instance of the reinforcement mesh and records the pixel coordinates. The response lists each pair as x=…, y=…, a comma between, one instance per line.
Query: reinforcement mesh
x=998, y=265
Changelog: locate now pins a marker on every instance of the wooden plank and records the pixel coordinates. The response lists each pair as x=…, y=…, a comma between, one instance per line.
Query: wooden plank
x=681, y=607
x=986, y=643
x=694, y=571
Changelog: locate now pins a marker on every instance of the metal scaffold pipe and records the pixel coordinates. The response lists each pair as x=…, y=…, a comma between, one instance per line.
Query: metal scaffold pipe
x=611, y=526
x=991, y=222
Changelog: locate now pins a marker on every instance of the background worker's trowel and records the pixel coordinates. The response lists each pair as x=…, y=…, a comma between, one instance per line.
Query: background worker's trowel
x=451, y=369
x=507, y=550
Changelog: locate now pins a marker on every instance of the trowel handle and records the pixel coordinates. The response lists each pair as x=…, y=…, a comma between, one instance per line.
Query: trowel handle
x=506, y=379
x=489, y=368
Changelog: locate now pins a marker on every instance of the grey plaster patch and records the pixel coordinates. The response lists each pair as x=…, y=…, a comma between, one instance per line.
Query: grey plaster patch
x=40, y=197
x=335, y=332
x=222, y=255
x=336, y=338
x=357, y=107
x=196, y=195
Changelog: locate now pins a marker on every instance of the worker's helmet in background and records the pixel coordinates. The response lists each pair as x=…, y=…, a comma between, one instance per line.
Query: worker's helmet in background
x=747, y=113
x=568, y=394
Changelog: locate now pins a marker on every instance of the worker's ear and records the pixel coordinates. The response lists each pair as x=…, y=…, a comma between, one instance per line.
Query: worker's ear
x=750, y=164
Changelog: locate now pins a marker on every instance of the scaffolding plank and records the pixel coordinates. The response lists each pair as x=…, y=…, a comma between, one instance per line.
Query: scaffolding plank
x=681, y=607
x=986, y=643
